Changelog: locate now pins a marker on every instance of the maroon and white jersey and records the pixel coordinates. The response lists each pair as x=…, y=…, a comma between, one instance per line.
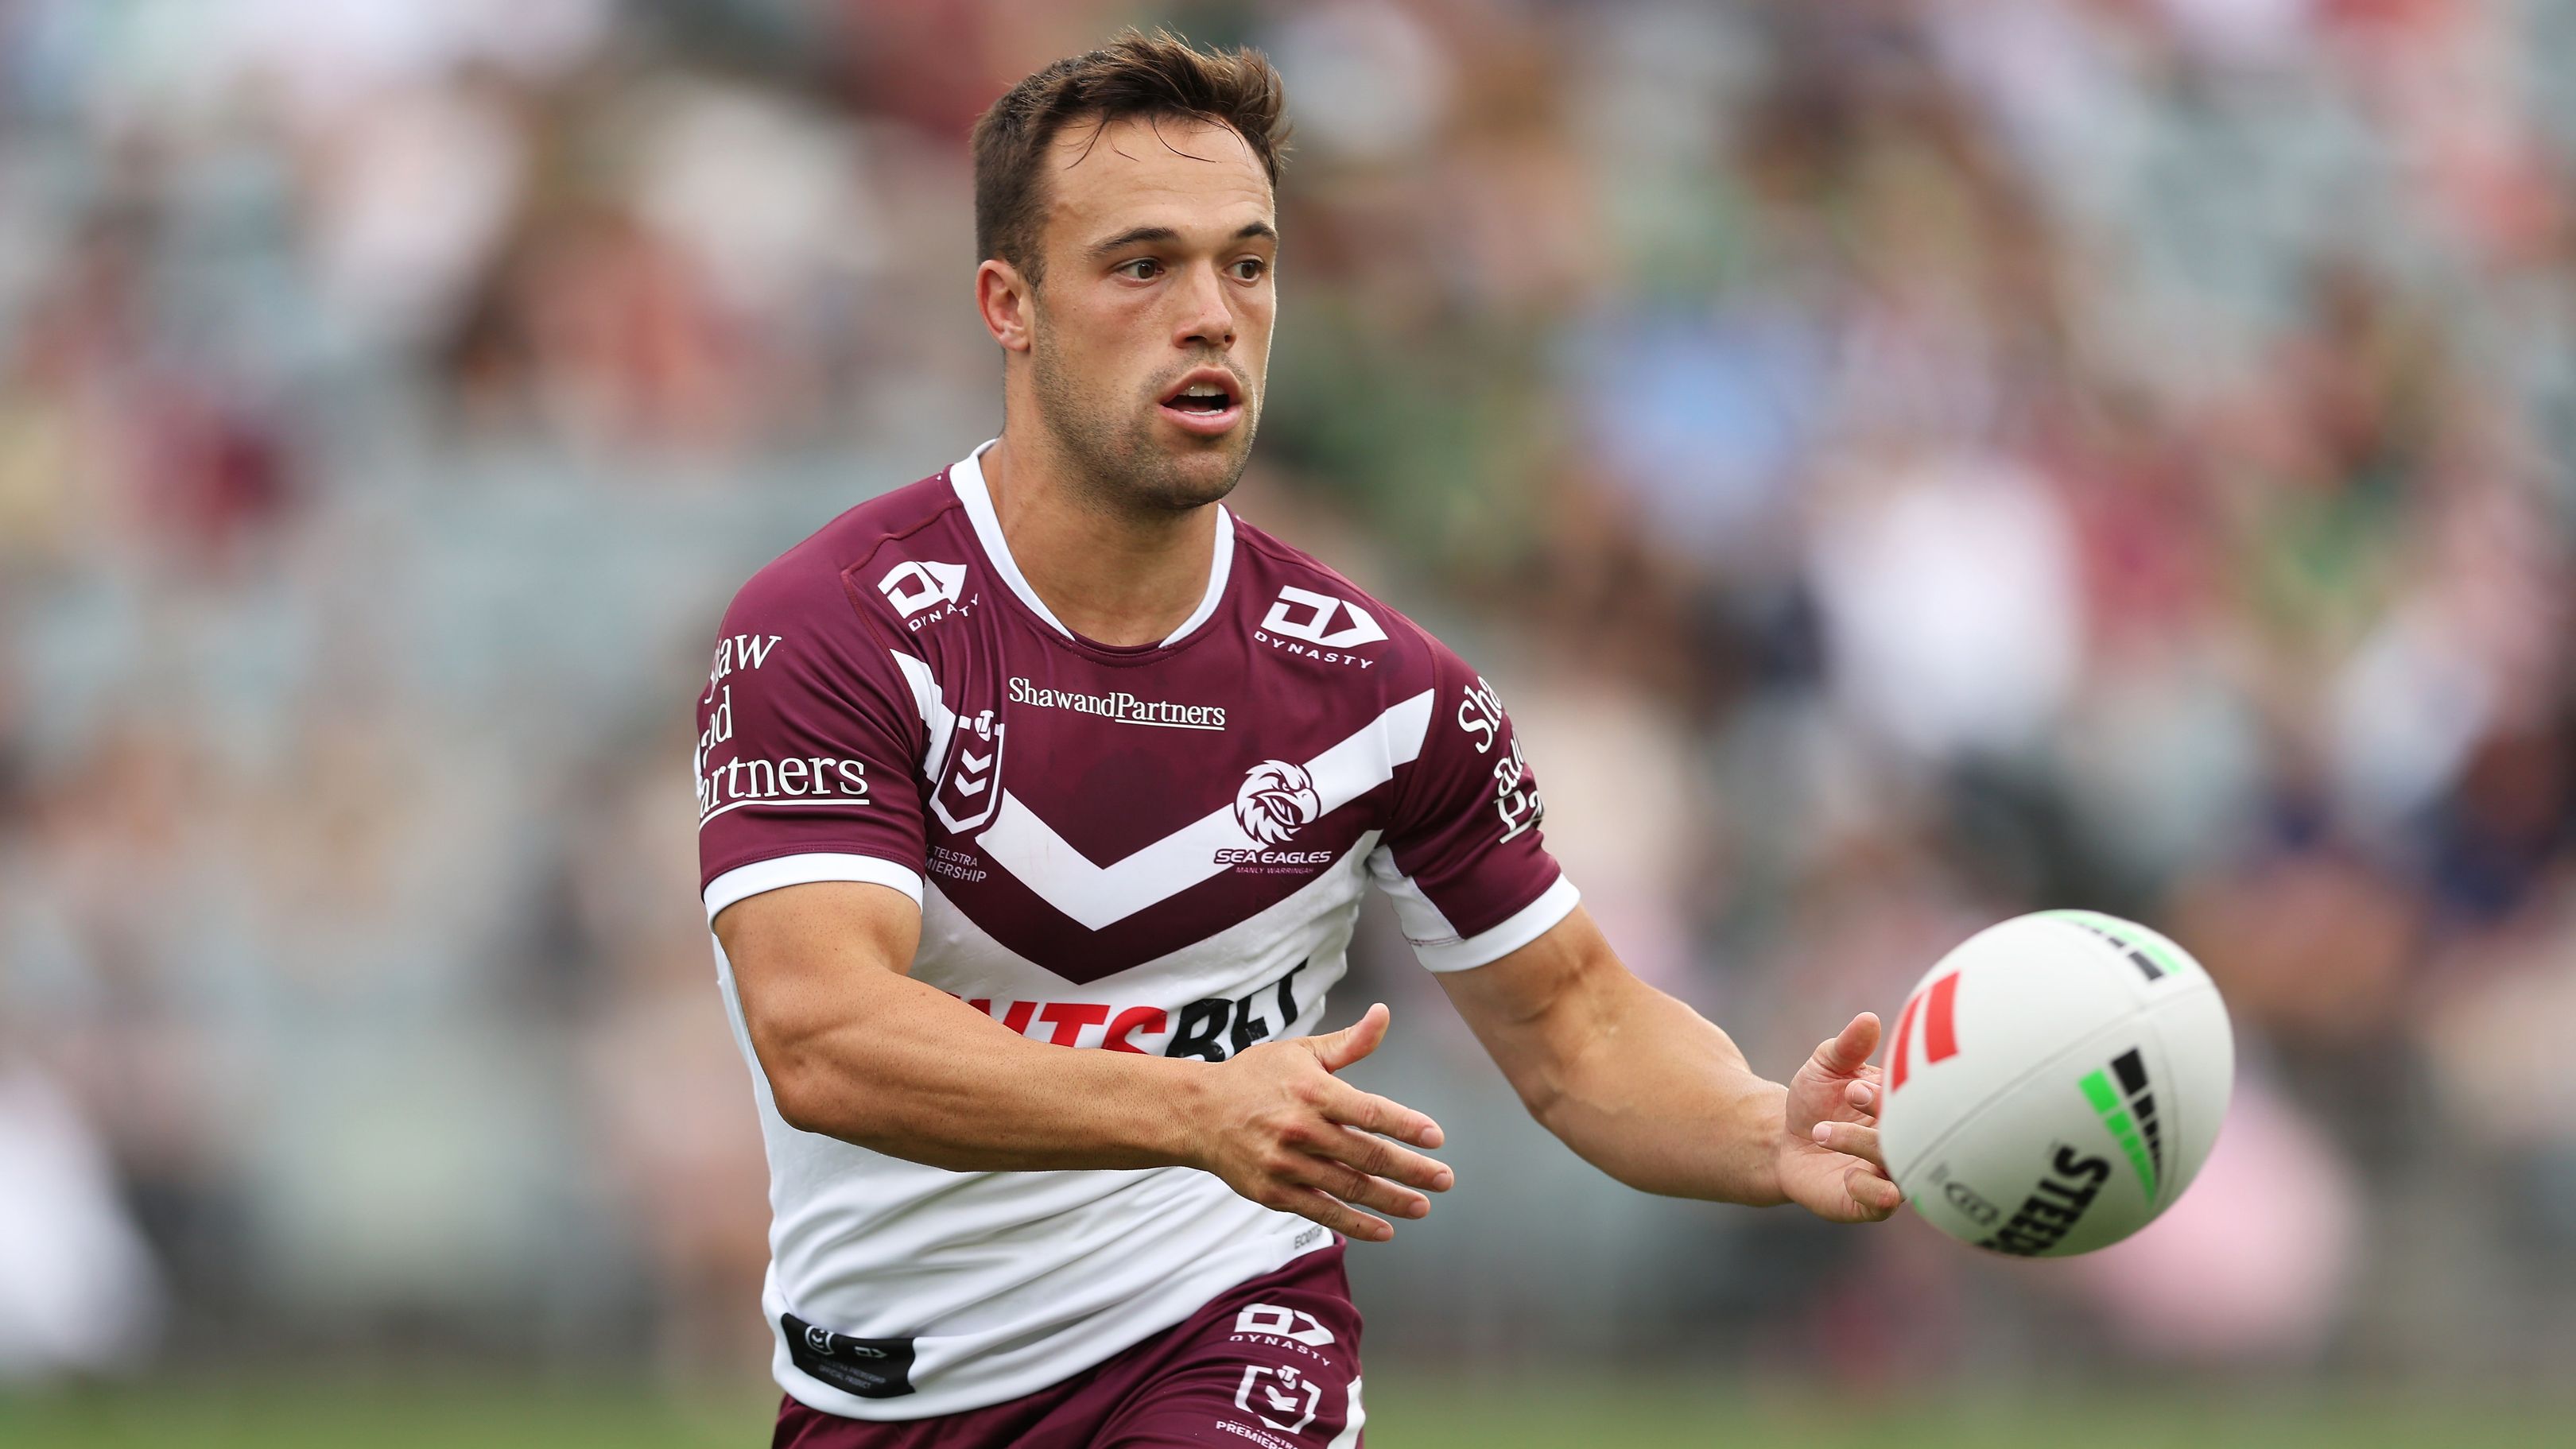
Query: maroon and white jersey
x=1153, y=849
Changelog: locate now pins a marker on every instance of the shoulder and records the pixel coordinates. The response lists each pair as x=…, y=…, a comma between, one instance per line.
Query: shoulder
x=1304, y=605
x=909, y=531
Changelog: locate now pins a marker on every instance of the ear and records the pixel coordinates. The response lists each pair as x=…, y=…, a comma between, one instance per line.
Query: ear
x=1007, y=303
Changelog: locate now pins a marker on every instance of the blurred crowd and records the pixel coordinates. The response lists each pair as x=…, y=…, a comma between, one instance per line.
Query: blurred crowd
x=1905, y=462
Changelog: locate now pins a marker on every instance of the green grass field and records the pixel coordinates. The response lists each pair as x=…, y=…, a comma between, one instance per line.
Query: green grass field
x=1406, y=1412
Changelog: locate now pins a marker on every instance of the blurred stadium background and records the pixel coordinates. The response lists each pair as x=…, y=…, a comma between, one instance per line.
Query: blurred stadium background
x=1905, y=461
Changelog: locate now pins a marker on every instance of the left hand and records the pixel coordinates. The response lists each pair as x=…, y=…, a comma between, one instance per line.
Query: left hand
x=1828, y=1154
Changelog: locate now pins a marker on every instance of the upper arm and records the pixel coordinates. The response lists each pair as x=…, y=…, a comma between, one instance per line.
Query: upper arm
x=1537, y=1009
x=805, y=957
x=811, y=840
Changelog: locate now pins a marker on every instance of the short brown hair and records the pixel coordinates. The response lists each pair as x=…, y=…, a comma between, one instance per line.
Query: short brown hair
x=1134, y=75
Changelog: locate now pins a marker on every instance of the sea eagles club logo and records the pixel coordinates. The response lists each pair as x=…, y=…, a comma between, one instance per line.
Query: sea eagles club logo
x=1276, y=798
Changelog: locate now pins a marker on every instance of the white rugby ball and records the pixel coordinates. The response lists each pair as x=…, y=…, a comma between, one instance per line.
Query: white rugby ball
x=2054, y=1083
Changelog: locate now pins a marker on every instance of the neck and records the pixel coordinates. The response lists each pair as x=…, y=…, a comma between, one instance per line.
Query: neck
x=1117, y=578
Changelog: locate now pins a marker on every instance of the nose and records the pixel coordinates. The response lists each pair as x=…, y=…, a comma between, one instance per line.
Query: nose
x=1207, y=315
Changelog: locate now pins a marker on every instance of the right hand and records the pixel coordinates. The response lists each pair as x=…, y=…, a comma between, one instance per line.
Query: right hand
x=1282, y=1130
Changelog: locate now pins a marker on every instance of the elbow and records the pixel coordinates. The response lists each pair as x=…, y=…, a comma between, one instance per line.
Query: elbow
x=813, y=1097
x=799, y=1088
x=800, y=1100
x=816, y=1102
x=1546, y=1102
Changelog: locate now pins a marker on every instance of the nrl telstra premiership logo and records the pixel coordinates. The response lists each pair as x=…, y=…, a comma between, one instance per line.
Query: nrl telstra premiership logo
x=1275, y=799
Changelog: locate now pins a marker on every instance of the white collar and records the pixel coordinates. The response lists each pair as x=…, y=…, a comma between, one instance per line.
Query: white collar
x=967, y=477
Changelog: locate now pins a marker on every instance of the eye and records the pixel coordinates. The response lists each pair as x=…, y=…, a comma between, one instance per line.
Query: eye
x=1249, y=269
x=1143, y=269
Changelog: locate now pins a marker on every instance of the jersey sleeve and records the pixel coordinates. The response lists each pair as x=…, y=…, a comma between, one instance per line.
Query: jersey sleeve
x=808, y=736
x=1462, y=860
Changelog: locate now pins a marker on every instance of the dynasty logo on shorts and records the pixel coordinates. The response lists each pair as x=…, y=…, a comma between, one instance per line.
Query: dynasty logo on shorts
x=1294, y=1324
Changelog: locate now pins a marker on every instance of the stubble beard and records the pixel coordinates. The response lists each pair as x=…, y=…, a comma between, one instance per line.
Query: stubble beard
x=1115, y=461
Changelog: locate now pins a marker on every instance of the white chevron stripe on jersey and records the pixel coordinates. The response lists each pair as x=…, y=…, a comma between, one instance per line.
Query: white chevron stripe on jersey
x=1311, y=926
x=1099, y=896
x=936, y=717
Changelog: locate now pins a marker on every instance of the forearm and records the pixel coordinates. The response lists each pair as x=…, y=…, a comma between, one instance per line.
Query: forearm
x=852, y=1047
x=1659, y=1097
x=914, y=1073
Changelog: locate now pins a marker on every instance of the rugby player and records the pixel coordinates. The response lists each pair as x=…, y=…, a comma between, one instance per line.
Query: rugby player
x=1036, y=803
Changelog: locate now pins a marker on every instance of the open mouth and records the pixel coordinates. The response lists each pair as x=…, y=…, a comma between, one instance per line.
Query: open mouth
x=1201, y=399
x=1207, y=401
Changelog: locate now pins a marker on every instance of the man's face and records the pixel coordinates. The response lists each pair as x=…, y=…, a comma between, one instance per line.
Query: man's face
x=1151, y=333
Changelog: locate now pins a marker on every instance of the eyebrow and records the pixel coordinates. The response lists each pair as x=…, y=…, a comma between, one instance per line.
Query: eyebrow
x=1134, y=236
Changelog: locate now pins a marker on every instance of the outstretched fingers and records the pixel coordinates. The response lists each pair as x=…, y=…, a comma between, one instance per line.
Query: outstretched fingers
x=1380, y=1158
x=1848, y=1052
x=1359, y=1189
x=1300, y=1140
x=1369, y=1112
x=1852, y=1140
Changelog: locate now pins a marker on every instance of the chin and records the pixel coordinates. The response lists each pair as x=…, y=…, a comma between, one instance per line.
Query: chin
x=1194, y=472
x=1186, y=487
x=1144, y=463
